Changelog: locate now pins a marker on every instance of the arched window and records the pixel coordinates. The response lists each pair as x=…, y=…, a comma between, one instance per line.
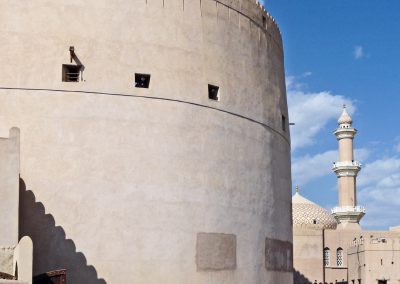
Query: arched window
x=339, y=257
x=327, y=255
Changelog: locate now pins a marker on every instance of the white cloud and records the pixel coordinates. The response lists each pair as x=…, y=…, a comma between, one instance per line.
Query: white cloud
x=397, y=147
x=361, y=154
x=311, y=111
x=308, y=168
x=379, y=192
x=358, y=52
x=376, y=171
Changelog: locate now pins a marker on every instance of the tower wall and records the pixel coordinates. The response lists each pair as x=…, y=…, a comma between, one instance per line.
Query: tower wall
x=347, y=196
x=118, y=183
x=9, y=175
x=346, y=150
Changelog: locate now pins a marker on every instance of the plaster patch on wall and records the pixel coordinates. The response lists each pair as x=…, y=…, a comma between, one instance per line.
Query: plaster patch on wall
x=215, y=251
x=278, y=255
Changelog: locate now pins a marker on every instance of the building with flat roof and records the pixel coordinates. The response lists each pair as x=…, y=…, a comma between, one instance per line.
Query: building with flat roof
x=331, y=247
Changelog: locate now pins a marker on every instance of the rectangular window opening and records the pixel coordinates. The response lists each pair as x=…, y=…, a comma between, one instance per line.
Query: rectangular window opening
x=213, y=92
x=142, y=80
x=264, y=19
x=283, y=123
x=71, y=73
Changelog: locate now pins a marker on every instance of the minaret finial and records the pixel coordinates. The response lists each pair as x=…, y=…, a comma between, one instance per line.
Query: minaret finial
x=345, y=117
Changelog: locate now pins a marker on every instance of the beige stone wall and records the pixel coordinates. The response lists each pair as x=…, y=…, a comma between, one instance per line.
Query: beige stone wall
x=308, y=245
x=346, y=149
x=375, y=260
x=307, y=253
x=118, y=181
x=347, y=193
x=345, y=239
x=9, y=184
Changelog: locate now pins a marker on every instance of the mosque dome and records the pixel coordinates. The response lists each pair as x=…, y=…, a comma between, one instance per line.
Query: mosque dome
x=345, y=117
x=308, y=214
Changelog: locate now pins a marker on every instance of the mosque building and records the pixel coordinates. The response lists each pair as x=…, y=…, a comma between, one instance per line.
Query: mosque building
x=331, y=247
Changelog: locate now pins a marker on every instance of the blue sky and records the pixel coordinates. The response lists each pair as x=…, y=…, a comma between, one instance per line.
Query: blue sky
x=336, y=52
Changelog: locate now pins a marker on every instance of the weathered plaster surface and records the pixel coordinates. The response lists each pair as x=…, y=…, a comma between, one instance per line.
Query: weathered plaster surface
x=9, y=184
x=216, y=251
x=118, y=181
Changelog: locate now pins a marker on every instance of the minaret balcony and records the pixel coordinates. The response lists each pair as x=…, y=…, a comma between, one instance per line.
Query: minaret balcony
x=348, y=214
x=348, y=209
x=345, y=132
x=346, y=168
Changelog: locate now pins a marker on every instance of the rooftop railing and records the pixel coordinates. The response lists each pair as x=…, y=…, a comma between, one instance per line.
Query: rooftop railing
x=347, y=164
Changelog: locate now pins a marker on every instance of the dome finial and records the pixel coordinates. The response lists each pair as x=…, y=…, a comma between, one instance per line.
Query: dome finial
x=297, y=189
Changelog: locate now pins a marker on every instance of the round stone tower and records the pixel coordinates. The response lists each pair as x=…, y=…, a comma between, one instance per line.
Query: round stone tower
x=154, y=139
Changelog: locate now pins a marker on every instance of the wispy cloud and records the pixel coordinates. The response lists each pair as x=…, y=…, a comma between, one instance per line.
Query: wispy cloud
x=309, y=168
x=397, y=147
x=311, y=111
x=379, y=192
x=358, y=52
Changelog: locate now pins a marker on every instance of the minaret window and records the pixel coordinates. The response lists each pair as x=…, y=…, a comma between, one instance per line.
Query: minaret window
x=339, y=257
x=327, y=255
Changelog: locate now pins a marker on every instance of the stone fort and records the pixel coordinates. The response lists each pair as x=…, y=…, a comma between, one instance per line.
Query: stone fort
x=149, y=142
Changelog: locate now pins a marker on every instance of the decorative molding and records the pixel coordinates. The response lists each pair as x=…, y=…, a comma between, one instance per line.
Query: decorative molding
x=343, y=133
x=346, y=168
x=345, y=209
x=348, y=214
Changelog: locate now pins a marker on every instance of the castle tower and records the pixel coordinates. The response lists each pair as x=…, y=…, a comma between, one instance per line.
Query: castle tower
x=347, y=213
x=155, y=143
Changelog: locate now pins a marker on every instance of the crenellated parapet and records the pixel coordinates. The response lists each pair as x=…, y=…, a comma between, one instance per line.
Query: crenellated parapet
x=255, y=12
x=244, y=14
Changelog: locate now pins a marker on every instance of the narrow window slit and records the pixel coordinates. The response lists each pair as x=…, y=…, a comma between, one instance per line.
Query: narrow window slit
x=264, y=21
x=213, y=92
x=142, y=80
x=283, y=123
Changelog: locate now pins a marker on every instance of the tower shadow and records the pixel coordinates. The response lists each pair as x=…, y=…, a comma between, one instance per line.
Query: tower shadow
x=299, y=278
x=51, y=249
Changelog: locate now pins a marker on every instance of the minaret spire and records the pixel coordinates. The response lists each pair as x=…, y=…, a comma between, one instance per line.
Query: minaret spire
x=348, y=214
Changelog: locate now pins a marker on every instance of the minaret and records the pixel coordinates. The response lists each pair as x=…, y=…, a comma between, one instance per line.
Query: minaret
x=348, y=214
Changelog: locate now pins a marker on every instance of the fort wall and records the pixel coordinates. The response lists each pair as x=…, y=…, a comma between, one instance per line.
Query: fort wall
x=119, y=182
x=9, y=192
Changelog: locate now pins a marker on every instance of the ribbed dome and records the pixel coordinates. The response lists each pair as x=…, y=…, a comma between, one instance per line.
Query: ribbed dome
x=345, y=117
x=308, y=214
